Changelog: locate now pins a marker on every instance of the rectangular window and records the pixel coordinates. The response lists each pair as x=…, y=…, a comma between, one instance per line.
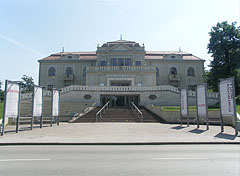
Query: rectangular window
x=120, y=62
x=113, y=62
x=50, y=87
x=138, y=63
x=103, y=63
x=128, y=62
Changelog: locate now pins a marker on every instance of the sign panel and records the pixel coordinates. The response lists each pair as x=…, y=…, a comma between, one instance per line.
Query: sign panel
x=55, y=103
x=184, y=106
x=37, y=101
x=12, y=99
x=201, y=100
x=227, y=97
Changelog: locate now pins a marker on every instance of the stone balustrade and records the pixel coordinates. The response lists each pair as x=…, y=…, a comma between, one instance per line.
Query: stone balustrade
x=120, y=89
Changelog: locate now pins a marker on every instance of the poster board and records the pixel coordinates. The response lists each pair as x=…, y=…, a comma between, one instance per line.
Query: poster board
x=201, y=100
x=12, y=99
x=37, y=101
x=55, y=102
x=184, y=102
x=227, y=99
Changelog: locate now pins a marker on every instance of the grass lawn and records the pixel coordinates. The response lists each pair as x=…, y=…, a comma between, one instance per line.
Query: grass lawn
x=191, y=108
x=1, y=110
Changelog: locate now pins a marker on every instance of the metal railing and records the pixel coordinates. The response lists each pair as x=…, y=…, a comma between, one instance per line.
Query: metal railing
x=102, y=111
x=136, y=110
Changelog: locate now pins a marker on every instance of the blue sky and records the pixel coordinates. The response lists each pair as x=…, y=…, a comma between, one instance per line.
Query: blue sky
x=33, y=29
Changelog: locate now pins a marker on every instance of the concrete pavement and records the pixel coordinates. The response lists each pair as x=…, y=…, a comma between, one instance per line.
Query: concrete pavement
x=114, y=133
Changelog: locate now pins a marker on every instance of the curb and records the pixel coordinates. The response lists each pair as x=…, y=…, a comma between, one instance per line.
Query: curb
x=119, y=143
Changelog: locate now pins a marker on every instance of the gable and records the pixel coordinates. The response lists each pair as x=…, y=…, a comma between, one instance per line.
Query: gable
x=121, y=47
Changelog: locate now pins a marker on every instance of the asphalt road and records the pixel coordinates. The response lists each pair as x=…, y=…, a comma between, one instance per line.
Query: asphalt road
x=120, y=160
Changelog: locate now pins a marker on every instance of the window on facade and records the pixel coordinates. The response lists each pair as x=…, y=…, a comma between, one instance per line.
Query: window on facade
x=120, y=62
x=138, y=63
x=113, y=62
x=103, y=63
x=192, y=87
x=173, y=71
x=84, y=72
x=128, y=62
x=51, y=71
x=50, y=87
x=69, y=57
x=69, y=71
x=157, y=72
x=172, y=57
x=191, y=71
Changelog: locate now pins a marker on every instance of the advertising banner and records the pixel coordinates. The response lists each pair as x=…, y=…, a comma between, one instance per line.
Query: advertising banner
x=201, y=100
x=227, y=97
x=37, y=101
x=184, y=105
x=12, y=99
x=55, y=103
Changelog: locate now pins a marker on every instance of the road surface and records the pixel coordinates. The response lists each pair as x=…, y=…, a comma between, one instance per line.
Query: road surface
x=139, y=160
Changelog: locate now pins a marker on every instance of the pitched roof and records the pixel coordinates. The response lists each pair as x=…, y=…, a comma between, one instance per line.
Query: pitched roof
x=151, y=55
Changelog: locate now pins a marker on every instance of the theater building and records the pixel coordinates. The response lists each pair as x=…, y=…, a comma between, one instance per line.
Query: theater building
x=120, y=72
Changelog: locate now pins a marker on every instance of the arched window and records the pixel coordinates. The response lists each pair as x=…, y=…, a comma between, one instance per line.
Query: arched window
x=69, y=71
x=173, y=71
x=84, y=72
x=157, y=72
x=51, y=71
x=191, y=71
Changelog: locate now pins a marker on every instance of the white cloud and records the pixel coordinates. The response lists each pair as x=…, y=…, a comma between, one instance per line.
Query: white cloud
x=21, y=45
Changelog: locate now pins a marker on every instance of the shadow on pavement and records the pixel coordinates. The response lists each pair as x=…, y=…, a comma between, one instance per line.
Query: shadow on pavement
x=178, y=127
x=197, y=131
x=226, y=136
x=13, y=131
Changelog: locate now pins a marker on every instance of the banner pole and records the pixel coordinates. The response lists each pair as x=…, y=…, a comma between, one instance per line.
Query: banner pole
x=206, y=103
x=181, y=107
x=33, y=95
x=4, y=109
x=234, y=106
x=187, y=108
x=197, y=106
x=41, y=117
x=19, y=101
x=58, y=107
x=221, y=116
x=51, y=123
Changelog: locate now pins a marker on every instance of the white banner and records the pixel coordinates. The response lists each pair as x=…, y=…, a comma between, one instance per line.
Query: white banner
x=226, y=95
x=55, y=103
x=12, y=100
x=38, y=101
x=184, y=105
x=201, y=100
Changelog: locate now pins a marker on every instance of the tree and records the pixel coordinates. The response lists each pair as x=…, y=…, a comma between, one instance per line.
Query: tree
x=27, y=84
x=1, y=92
x=224, y=45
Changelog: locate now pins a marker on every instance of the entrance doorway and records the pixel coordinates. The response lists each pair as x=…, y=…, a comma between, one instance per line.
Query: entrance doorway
x=120, y=100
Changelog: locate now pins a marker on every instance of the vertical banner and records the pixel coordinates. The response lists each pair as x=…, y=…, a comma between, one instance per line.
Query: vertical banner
x=11, y=102
x=202, y=107
x=37, y=106
x=184, y=104
x=55, y=104
x=227, y=100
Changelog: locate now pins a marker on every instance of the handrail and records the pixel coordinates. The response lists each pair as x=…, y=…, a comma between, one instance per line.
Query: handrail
x=102, y=110
x=135, y=108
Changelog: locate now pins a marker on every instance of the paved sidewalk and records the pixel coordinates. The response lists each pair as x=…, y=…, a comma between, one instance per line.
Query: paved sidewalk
x=70, y=133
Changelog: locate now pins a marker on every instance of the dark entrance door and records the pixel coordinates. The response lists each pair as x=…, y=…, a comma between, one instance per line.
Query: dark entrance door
x=120, y=100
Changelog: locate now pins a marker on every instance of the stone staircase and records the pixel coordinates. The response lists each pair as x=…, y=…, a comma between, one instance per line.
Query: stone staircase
x=119, y=115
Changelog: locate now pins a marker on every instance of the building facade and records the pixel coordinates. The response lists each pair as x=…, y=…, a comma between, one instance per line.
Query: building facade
x=121, y=64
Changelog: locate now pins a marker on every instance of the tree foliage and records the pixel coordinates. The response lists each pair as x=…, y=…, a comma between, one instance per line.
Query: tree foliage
x=1, y=92
x=224, y=45
x=27, y=84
